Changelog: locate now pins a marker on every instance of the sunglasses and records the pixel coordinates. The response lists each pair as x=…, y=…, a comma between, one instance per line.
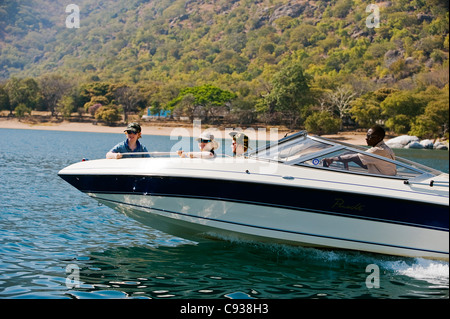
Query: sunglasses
x=131, y=132
x=204, y=141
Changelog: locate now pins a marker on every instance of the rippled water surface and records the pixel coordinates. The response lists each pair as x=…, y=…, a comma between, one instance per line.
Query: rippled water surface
x=50, y=232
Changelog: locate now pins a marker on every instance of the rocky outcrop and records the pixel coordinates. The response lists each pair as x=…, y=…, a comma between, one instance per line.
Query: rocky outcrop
x=421, y=17
x=292, y=10
x=392, y=56
x=413, y=142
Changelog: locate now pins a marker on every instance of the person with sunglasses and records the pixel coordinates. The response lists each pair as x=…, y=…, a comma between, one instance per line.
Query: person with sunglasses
x=206, y=143
x=239, y=144
x=130, y=145
x=374, y=138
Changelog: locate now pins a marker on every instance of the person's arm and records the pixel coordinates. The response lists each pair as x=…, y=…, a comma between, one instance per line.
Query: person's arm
x=345, y=159
x=199, y=154
x=113, y=155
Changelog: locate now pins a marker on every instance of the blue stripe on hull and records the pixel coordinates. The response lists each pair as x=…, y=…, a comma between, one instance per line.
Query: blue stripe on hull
x=353, y=205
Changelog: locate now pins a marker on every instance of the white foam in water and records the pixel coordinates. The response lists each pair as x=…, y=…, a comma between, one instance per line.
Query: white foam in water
x=328, y=255
x=432, y=271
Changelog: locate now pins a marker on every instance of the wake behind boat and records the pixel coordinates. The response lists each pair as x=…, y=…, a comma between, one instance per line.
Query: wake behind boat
x=283, y=192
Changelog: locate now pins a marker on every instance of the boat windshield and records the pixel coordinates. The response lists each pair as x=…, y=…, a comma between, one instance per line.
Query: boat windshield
x=287, y=150
x=302, y=150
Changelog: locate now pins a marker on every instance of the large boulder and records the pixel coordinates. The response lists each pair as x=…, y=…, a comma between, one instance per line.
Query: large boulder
x=440, y=146
x=428, y=144
x=415, y=145
x=402, y=141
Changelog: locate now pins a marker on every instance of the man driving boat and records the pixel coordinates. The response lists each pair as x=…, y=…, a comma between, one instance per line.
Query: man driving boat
x=374, y=138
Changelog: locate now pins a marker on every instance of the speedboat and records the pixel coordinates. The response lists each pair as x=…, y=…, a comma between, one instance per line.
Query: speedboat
x=283, y=192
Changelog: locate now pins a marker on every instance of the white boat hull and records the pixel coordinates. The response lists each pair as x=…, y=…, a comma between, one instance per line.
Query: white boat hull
x=204, y=217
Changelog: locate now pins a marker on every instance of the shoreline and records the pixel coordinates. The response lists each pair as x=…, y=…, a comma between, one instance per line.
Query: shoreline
x=166, y=129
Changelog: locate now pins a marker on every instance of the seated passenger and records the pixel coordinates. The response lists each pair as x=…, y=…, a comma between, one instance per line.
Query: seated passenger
x=239, y=144
x=206, y=144
x=375, y=136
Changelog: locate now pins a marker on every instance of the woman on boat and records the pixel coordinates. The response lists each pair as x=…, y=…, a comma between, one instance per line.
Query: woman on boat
x=206, y=144
x=130, y=145
x=239, y=143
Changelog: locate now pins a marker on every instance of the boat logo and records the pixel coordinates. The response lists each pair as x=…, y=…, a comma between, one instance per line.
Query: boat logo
x=340, y=203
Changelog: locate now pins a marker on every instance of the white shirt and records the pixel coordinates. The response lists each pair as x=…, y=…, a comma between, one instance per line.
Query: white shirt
x=377, y=166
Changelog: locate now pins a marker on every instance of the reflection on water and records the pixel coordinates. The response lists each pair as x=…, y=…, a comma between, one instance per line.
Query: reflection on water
x=46, y=225
x=246, y=270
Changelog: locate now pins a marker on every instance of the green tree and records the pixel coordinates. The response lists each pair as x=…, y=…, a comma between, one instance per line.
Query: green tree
x=228, y=62
x=128, y=99
x=302, y=34
x=108, y=114
x=21, y=110
x=342, y=8
x=401, y=109
x=23, y=91
x=399, y=124
x=290, y=94
x=187, y=106
x=94, y=101
x=207, y=99
x=155, y=107
x=435, y=120
x=94, y=89
x=381, y=94
x=322, y=123
x=4, y=99
x=53, y=87
x=366, y=110
x=66, y=106
x=243, y=111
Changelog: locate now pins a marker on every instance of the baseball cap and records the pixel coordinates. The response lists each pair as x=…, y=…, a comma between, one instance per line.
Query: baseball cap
x=133, y=127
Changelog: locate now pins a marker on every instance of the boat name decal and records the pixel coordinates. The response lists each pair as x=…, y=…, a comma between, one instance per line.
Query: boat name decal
x=340, y=203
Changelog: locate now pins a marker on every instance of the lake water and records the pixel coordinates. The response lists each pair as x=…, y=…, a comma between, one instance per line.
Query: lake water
x=50, y=232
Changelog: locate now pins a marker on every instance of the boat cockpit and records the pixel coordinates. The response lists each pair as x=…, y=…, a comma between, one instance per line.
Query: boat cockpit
x=300, y=149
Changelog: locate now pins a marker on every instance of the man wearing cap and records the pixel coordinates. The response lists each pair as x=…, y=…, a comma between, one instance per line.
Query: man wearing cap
x=130, y=145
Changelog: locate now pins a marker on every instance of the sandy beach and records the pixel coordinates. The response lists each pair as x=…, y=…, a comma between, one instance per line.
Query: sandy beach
x=173, y=128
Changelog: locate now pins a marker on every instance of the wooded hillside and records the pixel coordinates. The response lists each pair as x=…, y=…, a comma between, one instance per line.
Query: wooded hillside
x=318, y=64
